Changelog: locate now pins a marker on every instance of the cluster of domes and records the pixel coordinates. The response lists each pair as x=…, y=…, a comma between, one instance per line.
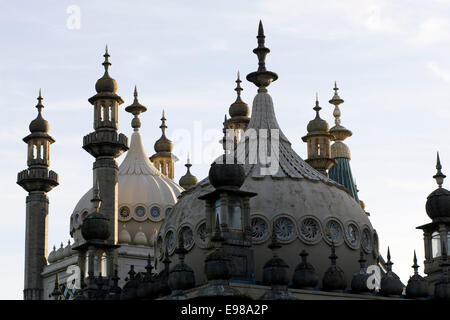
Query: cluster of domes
x=61, y=253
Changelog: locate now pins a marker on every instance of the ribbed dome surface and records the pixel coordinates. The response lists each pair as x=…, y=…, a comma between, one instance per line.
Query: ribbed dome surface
x=297, y=198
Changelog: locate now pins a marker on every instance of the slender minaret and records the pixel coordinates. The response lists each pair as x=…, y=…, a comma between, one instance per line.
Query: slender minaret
x=164, y=159
x=341, y=172
x=239, y=112
x=37, y=180
x=105, y=144
x=318, y=143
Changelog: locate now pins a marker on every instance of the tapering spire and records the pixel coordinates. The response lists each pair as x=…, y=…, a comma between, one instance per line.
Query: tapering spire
x=163, y=122
x=39, y=106
x=261, y=78
x=439, y=176
x=136, y=109
x=238, y=88
x=106, y=63
x=317, y=108
x=415, y=266
x=389, y=263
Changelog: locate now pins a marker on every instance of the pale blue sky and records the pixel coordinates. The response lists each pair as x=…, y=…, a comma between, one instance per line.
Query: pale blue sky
x=390, y=60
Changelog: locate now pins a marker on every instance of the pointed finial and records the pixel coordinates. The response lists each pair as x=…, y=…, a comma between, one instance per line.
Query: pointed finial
x=439, y=176
x=135, y=94
x=333, y=255
x=415, y=266
x=106, y=63
x=317, y=108
x=238, y=88
x=389, y=263
x=362, y=260
x=149, y=266
x=132, y=273
x=39, y=106
x=304, y=256
x=163, y=122
x=96, y=201
x=136, y=109
x=261, y=78
x=181, y=250
x=274, y=244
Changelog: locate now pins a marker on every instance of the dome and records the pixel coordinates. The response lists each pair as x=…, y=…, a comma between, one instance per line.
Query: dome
x=317, y=125
x=95, y=227
x=188, y=180
x=39, y=125
x=163, y=144
x=340, y=150
x=124, y=236
x=67, y=250
x=226, y=175
x=106, y=84
x=59, y=253
x=140, y=238
x=52, y=255
x=145, y=195
x=306, y=207
x=438, y=204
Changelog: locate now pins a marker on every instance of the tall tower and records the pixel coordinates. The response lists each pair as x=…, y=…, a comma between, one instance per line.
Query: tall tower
x=105, y=144
x=164, y=159
x=436, y=234
x=341, y=172
x=37, y=180
x=318, y=143
x=239, y=112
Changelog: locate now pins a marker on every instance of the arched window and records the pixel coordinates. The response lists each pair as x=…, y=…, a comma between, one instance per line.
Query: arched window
x=235, y=212
x=435, y=244
x=217, y=211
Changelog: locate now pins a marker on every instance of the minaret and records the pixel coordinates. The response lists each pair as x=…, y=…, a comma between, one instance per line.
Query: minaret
x=164, y=159
x=239, y=112
x=318, y=143
x=188, y=180
x=105, y=144
x=341, y=172
x=437, y=232
x=37, y=180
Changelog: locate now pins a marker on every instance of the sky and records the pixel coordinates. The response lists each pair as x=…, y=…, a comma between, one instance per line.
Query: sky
x=389, y=58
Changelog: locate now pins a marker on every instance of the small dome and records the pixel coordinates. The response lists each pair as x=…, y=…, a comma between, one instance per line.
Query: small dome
x=52, y=255
x=305, y=276
x=67, y=250
x=226, y=175
x=106, y=84
x=340, y=150
x=124, y=236
x=390, y=284
x=239, y=109
x=95, y=227
x=359, y=280
x=59, y=253
x=163, y=144
x=317, y=125
x=334, y=278
x=140, y=238
x=438, y=204
x=39, y=125
x=188, y=180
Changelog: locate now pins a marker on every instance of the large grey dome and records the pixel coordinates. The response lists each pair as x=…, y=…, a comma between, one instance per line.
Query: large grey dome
x=307, y=208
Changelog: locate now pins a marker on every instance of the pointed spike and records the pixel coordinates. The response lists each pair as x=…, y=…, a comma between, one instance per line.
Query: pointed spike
x=260, y=29
x=106, y=49
x=135, y=92
x=389, y=254
x=238, y=75
x=415, y=257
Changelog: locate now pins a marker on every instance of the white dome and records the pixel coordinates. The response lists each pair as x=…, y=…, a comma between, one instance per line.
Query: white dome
x=51, y=256
x=124, y=236
x=145, y=195
x=140, y=238
x=308, y=210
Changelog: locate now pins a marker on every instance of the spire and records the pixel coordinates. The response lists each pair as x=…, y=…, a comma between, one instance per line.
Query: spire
x=317, y=108
x=163, y=123
x=333, y=257
x=261, y=78
x=415, y=266
x=39, y=106
x=136, y=109
x=439, y=176
x=362, y=261
x=238, y=88
x=149, y=266
x=106, y=63
x=389, y=263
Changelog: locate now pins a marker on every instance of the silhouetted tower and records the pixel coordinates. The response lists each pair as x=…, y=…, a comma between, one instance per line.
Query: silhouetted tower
x=105, y=144
x=37, y=180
